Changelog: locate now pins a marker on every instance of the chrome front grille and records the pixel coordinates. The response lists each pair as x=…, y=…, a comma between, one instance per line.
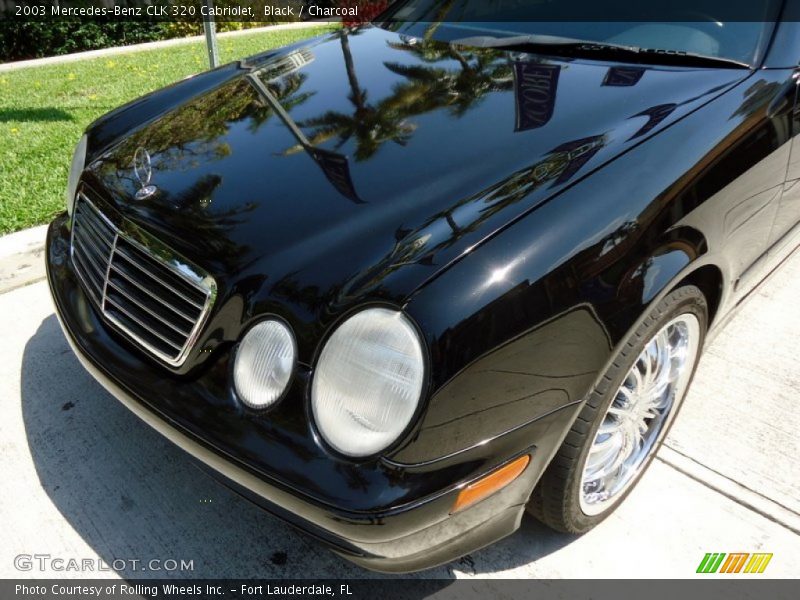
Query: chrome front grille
x=141, y=287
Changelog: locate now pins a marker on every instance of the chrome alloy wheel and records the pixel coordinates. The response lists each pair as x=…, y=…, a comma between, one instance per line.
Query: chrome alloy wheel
x=641, y=410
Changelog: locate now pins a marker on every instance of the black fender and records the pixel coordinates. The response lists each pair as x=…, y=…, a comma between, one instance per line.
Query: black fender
x=526, y=321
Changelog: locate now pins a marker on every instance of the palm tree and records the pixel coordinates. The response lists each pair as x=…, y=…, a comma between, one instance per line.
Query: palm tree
x=427, y=88
x=287, y=92
x=482, y=71
x=370, y=125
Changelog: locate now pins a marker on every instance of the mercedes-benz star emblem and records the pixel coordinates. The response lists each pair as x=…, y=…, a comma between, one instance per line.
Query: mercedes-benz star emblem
x=144, y=172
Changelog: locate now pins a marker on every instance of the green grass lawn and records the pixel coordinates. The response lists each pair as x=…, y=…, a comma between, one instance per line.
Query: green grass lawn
x=44, y=110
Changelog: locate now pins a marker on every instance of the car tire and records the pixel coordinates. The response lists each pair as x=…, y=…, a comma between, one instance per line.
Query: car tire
x=582, y=485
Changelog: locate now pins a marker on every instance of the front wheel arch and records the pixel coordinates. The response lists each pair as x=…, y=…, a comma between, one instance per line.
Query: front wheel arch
x=555, y=499
x=709, y=280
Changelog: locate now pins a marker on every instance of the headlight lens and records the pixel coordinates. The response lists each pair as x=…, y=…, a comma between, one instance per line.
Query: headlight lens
x=264, y=363
x=75, y=170
x=368, y=382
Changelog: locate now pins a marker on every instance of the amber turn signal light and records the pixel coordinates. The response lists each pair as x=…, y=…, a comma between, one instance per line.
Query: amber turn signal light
x=493, y=482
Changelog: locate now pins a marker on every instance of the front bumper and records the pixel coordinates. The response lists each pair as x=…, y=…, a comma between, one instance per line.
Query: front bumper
x=413, y=535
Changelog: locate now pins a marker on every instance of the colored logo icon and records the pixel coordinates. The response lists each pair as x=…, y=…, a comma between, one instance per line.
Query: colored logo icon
x=736, y=562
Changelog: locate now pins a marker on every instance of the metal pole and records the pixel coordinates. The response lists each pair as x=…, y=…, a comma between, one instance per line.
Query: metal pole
x=210, y=29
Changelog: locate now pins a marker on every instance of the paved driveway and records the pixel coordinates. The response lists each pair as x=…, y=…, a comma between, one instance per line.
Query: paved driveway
x=84, y=478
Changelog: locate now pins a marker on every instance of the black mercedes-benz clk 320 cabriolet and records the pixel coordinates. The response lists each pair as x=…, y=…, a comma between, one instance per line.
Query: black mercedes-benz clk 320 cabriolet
x=402, y=283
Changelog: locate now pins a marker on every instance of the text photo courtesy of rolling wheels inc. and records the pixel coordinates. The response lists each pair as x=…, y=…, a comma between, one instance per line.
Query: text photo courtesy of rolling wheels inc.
x=487, y=297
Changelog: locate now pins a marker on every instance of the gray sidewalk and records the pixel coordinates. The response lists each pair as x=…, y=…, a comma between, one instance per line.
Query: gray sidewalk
x=86, y=479
x=21, y=258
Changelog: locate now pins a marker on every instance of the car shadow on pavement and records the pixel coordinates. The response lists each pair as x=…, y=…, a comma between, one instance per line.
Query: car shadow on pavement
x=131, y=495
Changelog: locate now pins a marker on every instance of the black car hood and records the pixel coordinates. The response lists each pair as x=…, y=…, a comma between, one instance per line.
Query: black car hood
x=359, y=165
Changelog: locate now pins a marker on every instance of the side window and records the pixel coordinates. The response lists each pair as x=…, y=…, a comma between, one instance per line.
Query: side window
x=784, y=52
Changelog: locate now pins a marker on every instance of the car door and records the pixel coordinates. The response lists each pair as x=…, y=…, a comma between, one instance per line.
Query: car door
x=745, y=209
x=786, y=227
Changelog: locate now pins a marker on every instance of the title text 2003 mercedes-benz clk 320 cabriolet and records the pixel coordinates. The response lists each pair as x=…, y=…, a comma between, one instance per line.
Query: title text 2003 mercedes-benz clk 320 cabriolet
x=402, y=283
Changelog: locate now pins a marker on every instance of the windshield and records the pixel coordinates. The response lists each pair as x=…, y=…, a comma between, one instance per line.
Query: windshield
x=694, y=26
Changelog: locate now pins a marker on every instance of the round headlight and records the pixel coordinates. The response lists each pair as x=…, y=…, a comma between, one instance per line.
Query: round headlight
x=264, y=363
x=368, y=382
x=75, y=170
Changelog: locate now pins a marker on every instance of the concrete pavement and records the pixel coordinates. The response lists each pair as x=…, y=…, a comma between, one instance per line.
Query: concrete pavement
x=22, y=258
x=84, y=478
